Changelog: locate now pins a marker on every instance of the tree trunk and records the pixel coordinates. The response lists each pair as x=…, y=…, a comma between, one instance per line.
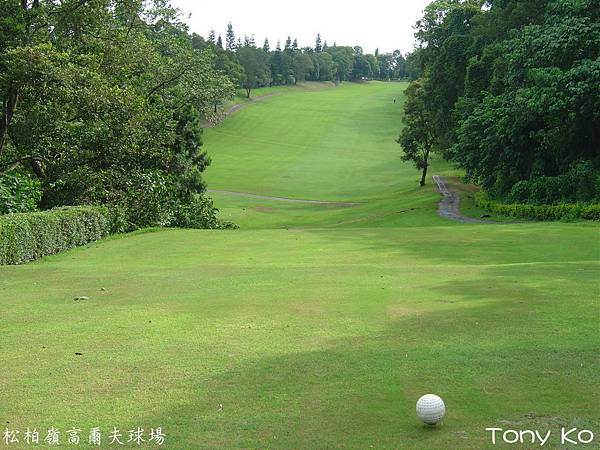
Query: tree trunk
x=424, y=176
x=38, y=169
x=426, y=166
x=248, y=92
x=12, y=97
x=9, y=110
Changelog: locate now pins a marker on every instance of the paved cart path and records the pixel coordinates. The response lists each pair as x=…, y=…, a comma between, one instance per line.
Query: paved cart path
x=449, y=206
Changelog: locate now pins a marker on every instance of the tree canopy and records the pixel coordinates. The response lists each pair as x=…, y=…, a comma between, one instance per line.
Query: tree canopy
x=512, y=94
x=104, y=99
x=292, y=64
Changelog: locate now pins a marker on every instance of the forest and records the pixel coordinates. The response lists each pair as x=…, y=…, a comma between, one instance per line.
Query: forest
x=509, y=92
x=252, y=66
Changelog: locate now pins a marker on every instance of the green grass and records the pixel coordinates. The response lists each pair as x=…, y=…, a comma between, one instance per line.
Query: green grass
x=241, y=95
x=314, y=326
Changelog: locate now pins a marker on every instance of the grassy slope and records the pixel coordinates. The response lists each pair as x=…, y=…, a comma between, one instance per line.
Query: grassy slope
x=335, y=144
x=241, y=96
x=320, y=335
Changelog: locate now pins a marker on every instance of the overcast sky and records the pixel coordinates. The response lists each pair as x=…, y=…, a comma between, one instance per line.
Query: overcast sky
x=387, y=25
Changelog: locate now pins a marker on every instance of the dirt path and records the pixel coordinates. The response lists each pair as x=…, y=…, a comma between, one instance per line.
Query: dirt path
x=282, y=199
x=247, y=102
x=208, y=124
x=450, y=202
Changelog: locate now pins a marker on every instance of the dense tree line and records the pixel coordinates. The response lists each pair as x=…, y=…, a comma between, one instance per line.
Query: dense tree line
x=253, y=66
x=509, y=90
x=101, y=104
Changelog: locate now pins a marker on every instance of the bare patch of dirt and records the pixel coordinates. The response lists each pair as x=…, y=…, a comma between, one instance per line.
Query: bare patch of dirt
x=264, y=209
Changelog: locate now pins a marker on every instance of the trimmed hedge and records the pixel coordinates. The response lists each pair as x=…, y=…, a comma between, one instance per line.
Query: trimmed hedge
x=540, y=212
x=28, y=236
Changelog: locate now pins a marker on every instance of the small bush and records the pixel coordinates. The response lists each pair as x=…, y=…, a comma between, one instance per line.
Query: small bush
x=18, y=193
x=579, y=184
x=149, y=201
x=200, y=213
x=565, y=211
x=28, y=236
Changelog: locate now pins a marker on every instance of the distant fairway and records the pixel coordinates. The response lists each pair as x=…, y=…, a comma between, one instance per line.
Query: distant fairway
x=314, y=325
x=335, y=144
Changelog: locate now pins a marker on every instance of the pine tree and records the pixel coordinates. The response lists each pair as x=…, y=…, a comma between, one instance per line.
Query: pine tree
x=211, y=36
x=295, y=44
x=288, y=43
x=266, y=46
x=278, y=48
x=246, y=41
x=325, y=47
x=318, y=46
x=220, y=42
x=252, y=41
x=230, y=37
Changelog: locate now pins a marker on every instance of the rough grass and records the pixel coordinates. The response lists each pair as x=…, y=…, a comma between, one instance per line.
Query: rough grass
x=312, y=326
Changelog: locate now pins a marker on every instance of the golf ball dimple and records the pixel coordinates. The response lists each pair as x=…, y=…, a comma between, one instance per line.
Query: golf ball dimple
x=431, y=409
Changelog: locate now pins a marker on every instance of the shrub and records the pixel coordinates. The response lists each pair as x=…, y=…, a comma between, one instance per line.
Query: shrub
x=27, y=236
x=578, y=184
x=200, y=213
x=149, y=201
x=565, y=211
x=153, y=199
x=18, y=193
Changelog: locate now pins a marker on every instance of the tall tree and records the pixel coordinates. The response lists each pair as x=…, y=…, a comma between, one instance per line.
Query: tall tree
x=108, y=95
x=318, y=44
x=361, y=67
x=19, y=33
x=255, y=63
x=230, y=38
x=343, y=57
x=417, y=136
x=302, y=65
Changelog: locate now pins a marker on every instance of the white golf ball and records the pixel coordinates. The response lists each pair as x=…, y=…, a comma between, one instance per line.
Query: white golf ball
x=431, y=409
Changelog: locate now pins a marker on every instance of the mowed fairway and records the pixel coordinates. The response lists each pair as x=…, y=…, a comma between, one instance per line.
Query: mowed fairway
x=313, y=326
